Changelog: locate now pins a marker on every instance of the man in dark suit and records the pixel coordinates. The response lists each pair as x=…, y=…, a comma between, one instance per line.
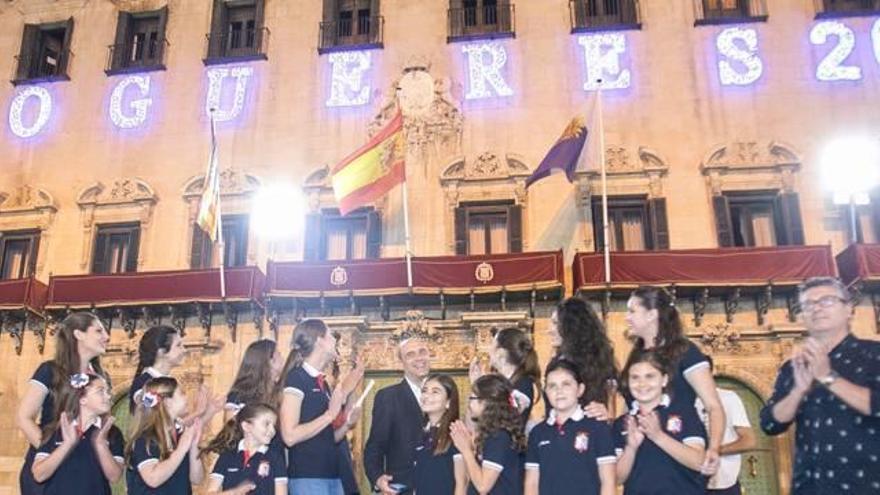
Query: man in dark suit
x=396, y=429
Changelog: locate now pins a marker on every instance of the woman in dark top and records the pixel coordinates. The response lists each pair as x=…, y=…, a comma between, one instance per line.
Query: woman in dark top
x=439, y=468
x=80, y=340
x=653, y=323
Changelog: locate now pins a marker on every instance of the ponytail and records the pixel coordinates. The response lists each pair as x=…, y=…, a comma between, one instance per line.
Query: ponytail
x=156, y=338
x=520, y=353
x=302, y=344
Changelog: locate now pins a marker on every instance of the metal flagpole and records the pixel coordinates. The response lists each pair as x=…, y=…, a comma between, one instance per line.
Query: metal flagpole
x=219, y=222
x=606, y=231
x=409, y=275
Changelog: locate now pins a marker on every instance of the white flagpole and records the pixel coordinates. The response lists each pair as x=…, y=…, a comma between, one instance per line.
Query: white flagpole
x=409, y=273
x=601, y=130
x=219, y=222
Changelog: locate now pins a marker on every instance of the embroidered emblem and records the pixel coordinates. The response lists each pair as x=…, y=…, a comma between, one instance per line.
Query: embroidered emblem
x=673, y=424
x=339, y=276
x=484, y=272
x=263, y=470
x=582, y=441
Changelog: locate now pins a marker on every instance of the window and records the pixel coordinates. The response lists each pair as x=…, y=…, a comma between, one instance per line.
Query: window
x=350, y=24
x=140, y=41
x=488, y=228
x=237, y=31
x=730, y=11
x=758, y=219
x=330, y=236
x=635, y=223
x=116, y=248
x=18, y=254
x=235, y=244
x=45, y=52
x=475, y=19
x=593, y=15
x=835, y=8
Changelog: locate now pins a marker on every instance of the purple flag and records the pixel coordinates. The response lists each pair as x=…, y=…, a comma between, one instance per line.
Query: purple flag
x=565, y=153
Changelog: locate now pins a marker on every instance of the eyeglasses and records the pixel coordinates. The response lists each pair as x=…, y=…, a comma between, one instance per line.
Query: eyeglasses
x=822, y=302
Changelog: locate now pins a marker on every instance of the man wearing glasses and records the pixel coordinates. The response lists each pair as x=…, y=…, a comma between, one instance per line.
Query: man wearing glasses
x=831, y=389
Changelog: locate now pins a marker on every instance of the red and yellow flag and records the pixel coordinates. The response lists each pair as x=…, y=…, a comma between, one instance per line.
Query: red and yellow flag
x=208, y=218
x=371, y=171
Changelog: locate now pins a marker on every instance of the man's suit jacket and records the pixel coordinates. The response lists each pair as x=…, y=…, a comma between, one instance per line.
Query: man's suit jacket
x=394, y=435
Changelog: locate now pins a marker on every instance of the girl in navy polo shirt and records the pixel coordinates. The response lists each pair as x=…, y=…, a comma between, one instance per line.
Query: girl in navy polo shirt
x=309, y=411
x=439, y=468
x=80, y=340
x=654, y=324
x=257, y=377
x=83, y=449
x=569, y=452
x=162, y=456
x=659, y=444
x=247, y=462
x=513, y=355
x=494, y=458
x=159, y=351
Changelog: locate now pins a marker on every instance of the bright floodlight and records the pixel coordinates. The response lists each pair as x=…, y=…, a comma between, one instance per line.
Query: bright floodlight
x=851, y=168
x=278, y=212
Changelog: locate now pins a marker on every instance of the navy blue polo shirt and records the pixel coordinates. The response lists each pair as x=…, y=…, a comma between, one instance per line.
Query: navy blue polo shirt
x=434, y=474
x=655, y=472
x=316, y=457
x=568, y=455
x=137, y=385
x=265, y=468
x=144, y=453
x=524, y=393
x=500, y=454
x=80, y=471
x=43, y=377
x=680, y=391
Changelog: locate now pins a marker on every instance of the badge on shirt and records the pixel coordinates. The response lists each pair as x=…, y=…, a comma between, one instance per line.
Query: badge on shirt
x=673, y=424
x=582, y=441
x=263, y=470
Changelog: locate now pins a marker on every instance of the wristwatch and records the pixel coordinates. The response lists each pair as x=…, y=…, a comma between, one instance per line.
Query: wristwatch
x=828, y=379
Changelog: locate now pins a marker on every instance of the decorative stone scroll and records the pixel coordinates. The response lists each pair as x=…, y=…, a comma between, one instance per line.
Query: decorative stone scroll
x=28, y=207
x=749, y=165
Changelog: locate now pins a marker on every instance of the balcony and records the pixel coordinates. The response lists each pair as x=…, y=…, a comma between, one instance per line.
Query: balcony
x=603, y=15
x=127, y=58
x=829, y=9
x=486, y=22
x=21, y=308
x=237, y=46
x=715, y=12
x=35, y=68
x=345, y=34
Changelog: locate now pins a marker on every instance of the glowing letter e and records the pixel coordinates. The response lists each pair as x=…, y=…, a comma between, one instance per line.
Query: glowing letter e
x=485, y=61
x=602, y=55
x=215, y=89
x=745, y=55
x=44, y=100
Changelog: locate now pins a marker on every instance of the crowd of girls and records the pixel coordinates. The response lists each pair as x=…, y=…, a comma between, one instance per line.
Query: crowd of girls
x=285, y=421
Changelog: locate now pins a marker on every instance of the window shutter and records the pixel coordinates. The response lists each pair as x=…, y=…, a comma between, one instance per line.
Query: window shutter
x=197, y=258
x=514, y=228
x=99, y=253
x=461, y=232
x=374, y=234
x=259, y=20
x=122, y=43
x=598, y=230
x=218, y=28
x=242, y=230
x=505, y=22
x=875, y=211
x=27, y=54
x=163, y=27
x=723, y=226
x=789, y=209
x=32, y=255
x=65, y=49
x=659, y=223
x=134, y=242
x=313, y=234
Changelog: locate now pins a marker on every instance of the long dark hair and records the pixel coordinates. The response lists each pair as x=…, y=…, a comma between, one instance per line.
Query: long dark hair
x=68, y=401
x=585, y=342
x=156, y=338
x=254, y=383
x=154, y=423
x=670, y=342
x=302, y=344
x=443, y=440
x=520, y=353
x=651, y=357
x=232, y=432
x=499, y=411
x=67, y=358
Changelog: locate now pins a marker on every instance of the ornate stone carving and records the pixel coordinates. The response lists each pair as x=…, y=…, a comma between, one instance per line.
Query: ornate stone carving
x=29, y=207
x=416, y=326
x=721, y=338
x=487, y=166
x=27, y=198
x=750, y=154
x=122, y=190
x=747, y=165
x=233, y=182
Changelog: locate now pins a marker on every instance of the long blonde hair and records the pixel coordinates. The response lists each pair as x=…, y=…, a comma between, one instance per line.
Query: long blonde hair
x=154, y=424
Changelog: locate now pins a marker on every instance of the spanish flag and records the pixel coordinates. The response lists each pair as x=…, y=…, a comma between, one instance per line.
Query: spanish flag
x=371, y=171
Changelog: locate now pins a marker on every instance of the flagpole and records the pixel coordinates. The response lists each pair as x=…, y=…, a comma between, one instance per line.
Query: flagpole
x=606, y=231
x=409, y=272
x=219, y=222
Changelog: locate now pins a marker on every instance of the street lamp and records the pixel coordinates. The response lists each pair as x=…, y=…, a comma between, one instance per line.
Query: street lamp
x=278, y=212
x=851, y=168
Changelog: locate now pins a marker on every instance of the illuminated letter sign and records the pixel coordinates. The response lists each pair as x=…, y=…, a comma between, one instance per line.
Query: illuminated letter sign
x=831, y=68
x=139, y=105
x=602, y=55
x=215, y=90
x=744, y=53
x=347, y=86
x=485, y=61
x=17, y=110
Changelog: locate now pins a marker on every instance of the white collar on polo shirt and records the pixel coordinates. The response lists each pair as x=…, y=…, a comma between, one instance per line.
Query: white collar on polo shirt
x=577, y=415
x=262, y=450
x=310, y=369
x=154, y=372
x=634, y=407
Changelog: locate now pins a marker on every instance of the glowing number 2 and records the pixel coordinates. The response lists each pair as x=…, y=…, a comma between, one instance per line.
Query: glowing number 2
x=831, y=68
